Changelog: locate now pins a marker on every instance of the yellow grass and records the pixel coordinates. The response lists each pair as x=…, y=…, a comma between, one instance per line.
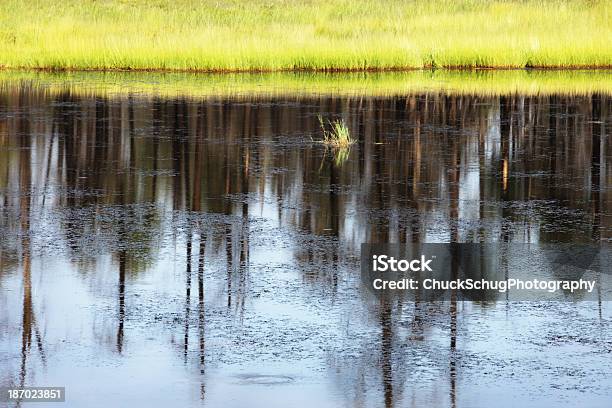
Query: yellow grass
x=236, y=35
x=120, y=84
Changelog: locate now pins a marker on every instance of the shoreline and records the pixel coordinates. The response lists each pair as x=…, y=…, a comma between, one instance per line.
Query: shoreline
x=373, y=70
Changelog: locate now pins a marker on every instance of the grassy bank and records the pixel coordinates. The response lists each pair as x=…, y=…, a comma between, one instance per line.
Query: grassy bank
x=234, y=35
x=171, y=85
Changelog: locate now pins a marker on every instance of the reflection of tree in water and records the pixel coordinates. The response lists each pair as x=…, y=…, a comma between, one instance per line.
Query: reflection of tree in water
x=425, y=168
x=30, y=325
x=30, y=328
x=148, y=151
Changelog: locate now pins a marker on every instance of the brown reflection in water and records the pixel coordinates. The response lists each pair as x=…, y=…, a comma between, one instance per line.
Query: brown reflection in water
x=454, y=237
x=187, y=292
x=29, y=324
x=402, y=162
x=197, y=182
x=425, y=168
x=121, y=301
x=597, y=163
x=201, y=321
x=386, y=342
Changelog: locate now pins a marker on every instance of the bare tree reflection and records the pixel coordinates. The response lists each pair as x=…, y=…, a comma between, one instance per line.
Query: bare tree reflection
x=426, y=168
x=29, y=324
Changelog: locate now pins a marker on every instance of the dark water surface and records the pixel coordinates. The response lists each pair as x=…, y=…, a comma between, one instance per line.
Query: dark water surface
x=205, y=252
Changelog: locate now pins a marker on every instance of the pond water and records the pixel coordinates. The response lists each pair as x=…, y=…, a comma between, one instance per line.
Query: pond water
x=187, y=252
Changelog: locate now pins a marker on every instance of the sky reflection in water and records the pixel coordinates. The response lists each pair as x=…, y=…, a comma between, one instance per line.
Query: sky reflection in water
x=185, y=252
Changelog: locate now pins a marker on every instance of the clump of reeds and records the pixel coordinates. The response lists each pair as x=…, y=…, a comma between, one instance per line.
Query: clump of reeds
x=319, y=35
x=338, y=136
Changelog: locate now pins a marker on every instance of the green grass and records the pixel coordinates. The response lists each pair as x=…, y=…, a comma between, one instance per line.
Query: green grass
x=189, y=85
x=339, y=137
x=236, y=35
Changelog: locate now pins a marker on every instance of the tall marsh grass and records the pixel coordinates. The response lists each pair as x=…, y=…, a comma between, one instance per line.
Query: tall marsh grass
x=263, y=35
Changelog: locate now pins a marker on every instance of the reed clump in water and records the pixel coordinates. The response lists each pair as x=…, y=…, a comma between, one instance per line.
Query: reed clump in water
x=338, y=137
